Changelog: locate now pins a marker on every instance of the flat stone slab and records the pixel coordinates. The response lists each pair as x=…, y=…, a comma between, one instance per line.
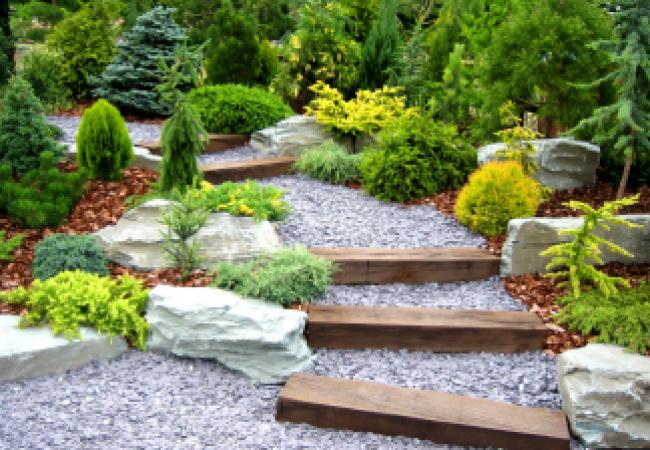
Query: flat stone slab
x=143, y=159
x=606, y=395
x=563, y=163
x=260, y=339
x=136, y=240
x=32, y=352
x=528, y=237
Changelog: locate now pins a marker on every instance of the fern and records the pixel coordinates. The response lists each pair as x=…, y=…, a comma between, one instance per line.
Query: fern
x=574, y=261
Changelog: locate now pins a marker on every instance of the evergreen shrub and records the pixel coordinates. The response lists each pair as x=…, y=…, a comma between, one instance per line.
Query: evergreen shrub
x=71, y=300
x=416, y=157
x=24, y=132
x=43, y=197
x=63, y=252
x=248, y=199
x=287, y=276
x=381, y=51
x=237, y=109
x=130, y=79
x=85, y=41
x=103, y=144
x=7, y=246
x=329, y=162
x=42, y=69
x=496, y=193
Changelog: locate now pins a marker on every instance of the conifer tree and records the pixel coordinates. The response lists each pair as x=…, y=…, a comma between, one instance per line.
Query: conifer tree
x=381, y=50
x=6, y=44
x=624, y=126
x=130, y=79
x=233, y=53
x=24, y=132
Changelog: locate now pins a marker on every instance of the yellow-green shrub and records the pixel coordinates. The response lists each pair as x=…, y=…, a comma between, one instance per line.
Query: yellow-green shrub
x=496, y=193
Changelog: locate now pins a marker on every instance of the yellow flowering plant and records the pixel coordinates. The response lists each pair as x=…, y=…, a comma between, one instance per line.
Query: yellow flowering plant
x=247, y=199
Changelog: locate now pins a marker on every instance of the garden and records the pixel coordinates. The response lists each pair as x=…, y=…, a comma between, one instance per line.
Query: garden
x=324, y=224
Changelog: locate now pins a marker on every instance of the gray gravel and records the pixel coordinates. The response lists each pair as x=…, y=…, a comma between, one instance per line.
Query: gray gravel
x=143, y=400
x=139, y=132
x=235, y=154
x=488, y=294
x=334, y=216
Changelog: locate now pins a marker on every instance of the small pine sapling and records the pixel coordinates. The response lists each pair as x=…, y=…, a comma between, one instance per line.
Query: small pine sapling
x=575, y=259
x=517, y=139
x=183, y=220
x=7, y=246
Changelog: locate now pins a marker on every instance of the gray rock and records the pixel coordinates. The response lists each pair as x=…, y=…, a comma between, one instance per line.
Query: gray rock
x=290, y=136
x=136, y=240
x=143, y=159
x=563, y=163
x=260, y=339
x=606, y=396
x=32, y=352
x=528, y=237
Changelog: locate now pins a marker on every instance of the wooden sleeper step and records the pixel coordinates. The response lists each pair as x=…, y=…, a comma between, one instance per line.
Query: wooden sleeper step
x=424, y=265
x=250, y=169
x=436, y=416
x=428, y=329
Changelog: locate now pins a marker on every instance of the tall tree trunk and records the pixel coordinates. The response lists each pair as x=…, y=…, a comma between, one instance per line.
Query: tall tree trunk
x=626, y=175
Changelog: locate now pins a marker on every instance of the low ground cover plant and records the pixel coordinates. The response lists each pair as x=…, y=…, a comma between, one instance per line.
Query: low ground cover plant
x=248, y=199
x=496, y=193
x=237, y=109
x=285, y=277
x=42, y=197
x=63, y=252
x=103, y=144
x=416, y=157
x=330, y=162
x=623, y=319
x=71, y=300
x=7, y=246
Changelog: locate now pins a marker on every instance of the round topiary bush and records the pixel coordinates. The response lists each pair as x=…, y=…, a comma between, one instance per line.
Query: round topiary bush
x=103, y=144
x=416, y=157
x=237, y=109
x=496, y=193
x=61, y=252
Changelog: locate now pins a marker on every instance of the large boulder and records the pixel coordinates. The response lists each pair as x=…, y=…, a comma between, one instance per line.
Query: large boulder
x=606, y=396
x=32, y=352
x=260, y=339
x=143, y=158
x=526, y=238
x=562, y=163
x=290, y=136
x=136, y=240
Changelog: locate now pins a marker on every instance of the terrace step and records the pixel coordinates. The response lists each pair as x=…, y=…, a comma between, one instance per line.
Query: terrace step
x=436, y=416
x=428, y=329
x=217, y=143
x=250, y=169
x=422, y=265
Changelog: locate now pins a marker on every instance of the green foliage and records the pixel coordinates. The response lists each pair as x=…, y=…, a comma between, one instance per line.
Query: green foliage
x=43, y=197
x=7, y=246
x=233, y=54
x=496, y=193
x=288, y=276
x=42, y=69
x=71, y=300
x=623, y=320
x=130, y=80
x=622, y=127
x=320, y=49
x=85, y=41
x=237, y=109
x=517, y=139
x=103, y=143
x=183, y=220
x=382, y=48
x=412, y=64
x=63, y=252
x=538, y=55
x=329, y=162
x=24, y=133
x=367, y=113
x=416, y=157
x=574, y=260
x=248, y=199
x=360, y=14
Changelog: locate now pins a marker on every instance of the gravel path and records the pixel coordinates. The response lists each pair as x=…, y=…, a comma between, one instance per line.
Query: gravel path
x=139, y=132
x=235, y=154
